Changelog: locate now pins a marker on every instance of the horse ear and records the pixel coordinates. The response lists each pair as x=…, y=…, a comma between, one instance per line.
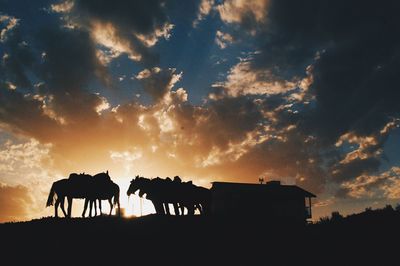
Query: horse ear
x=107, y=172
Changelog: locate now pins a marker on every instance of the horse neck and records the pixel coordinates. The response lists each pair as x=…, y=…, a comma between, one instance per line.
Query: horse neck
x=146, y=187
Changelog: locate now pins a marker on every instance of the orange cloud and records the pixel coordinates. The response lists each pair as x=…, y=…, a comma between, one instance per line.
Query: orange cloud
x=14, y=203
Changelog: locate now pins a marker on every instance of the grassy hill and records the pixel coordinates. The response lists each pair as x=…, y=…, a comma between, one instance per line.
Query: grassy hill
x=368, y=238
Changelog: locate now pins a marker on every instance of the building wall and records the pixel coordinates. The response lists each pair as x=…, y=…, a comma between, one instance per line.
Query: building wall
x=226, y=202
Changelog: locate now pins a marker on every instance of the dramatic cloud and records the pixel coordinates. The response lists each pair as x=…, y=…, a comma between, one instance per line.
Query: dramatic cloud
x=223, y=39
x=205, y=8
x=130, y=27
x=24, y=115
x=346, y=67
x=158, y=82
x=353, y=80
x=25, y=167
x=23, y=158
x=247, y=13
x=18, y=57
x=9, y=24
x=243, y=80
x=386, y=185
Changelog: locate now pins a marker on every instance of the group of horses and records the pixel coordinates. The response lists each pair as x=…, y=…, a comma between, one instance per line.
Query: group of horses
x=162, y=192
x=83, y=186
x=182, y=195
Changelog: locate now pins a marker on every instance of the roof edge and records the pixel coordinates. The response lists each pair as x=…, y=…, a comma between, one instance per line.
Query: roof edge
x=308, y=194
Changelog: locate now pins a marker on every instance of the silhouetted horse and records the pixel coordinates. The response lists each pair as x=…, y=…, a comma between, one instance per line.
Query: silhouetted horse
x=61, y=189
x=145, y=186
x=195, y=197
x=84, y=187
x=76, y=186
x=103, y=189
x=167, y=191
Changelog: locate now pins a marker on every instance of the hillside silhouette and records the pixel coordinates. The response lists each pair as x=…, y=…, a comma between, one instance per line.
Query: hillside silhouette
x=367, y=238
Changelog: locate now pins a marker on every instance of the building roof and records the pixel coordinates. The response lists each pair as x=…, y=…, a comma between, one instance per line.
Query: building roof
x=272, y=189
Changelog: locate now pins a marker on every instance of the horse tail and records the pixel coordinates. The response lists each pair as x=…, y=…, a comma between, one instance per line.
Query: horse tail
x=50, y=199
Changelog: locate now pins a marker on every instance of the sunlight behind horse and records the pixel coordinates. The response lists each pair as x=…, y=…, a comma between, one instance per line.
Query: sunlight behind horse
x=133, y=206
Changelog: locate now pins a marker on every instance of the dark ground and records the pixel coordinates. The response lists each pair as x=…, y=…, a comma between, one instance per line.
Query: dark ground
x=369, y=238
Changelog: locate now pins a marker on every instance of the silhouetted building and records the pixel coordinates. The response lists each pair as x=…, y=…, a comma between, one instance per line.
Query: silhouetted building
x=272, y=200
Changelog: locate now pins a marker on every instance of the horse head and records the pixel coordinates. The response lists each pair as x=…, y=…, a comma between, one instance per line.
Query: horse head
x=134, y=186
x=138, y=183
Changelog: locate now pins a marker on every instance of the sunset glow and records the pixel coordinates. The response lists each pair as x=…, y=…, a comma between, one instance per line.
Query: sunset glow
x=228, y=90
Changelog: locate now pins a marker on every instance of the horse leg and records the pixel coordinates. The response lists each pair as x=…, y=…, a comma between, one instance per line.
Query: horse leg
x=85, y=207
x=69, y=206
x=163, y=209
x=111, y=205
x=100, y=207
x=190, y=209
x=56, y=208
x=119, y=208
x=62, y=200
x=159, y=207
x=176, y=209
x=182, y=207
x=166, y=206
x=93, y=202
x=198, y=206
x=90, y=208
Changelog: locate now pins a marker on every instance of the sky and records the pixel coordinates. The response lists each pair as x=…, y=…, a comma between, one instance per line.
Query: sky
x=306, y=92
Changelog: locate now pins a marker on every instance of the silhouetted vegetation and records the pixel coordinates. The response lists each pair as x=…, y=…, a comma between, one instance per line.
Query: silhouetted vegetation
x=364, y=238
x=369, y=215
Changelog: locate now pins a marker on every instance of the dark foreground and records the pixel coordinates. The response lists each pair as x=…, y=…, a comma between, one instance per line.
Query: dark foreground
x=366, y=239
